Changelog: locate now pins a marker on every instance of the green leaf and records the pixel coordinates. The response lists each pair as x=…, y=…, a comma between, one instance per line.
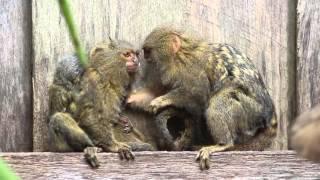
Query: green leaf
x=65, y=10
x=6, y=173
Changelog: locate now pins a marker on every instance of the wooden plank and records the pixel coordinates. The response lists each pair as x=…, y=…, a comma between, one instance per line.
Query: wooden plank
x=261, y=29
x=308, y=66
x=15, y=76
x=163, y=165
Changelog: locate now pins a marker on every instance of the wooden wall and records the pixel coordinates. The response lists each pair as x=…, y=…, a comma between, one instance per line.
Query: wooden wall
x=308, y=44
x=264, y=29
x=15, y=76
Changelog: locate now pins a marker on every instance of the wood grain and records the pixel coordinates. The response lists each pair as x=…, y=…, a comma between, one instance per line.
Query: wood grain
x=263, y=29
x=15, y=76
x=308, y=44
x=163, y=165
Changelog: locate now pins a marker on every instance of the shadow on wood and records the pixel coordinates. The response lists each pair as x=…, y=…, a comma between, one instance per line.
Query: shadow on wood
x=164, y=165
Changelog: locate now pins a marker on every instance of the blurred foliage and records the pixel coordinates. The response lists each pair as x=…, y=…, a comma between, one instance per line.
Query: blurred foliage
x=65, y=10
x=6, y=173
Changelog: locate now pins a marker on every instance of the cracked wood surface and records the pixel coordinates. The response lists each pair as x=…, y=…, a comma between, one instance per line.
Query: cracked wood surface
x=163, y=165
x=308, y=63
x=15, y=76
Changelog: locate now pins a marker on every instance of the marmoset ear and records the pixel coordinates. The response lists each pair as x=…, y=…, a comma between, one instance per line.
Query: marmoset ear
x=98, y=48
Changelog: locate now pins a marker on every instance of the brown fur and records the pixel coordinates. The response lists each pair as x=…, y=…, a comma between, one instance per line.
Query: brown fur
x=216, y=84
x=305, y=134
x=86, y=113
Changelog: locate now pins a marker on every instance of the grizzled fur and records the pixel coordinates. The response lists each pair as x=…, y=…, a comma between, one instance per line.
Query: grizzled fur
x=237, y=79
x=217, y=85
x=85, y=105
x=68, y=72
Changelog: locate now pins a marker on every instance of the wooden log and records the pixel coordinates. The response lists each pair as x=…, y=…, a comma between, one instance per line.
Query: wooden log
x=15, y=76
x=308, y=45
x=261, y=29
x=163, y=165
